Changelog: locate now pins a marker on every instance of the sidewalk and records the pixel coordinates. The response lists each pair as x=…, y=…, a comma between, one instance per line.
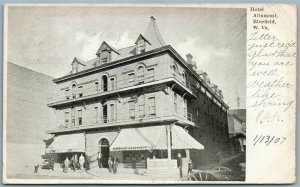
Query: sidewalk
x=151, y=175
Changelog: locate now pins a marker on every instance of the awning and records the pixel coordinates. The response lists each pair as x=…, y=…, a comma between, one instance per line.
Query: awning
x=153, y=137
x=182, y=140
x=67, y=143
x=142, y=138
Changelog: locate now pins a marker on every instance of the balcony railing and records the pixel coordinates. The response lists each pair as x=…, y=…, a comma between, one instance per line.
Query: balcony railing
x=117, y=119
x=115, y=86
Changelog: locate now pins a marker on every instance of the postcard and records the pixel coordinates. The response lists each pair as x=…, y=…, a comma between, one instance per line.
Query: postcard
x=149, y=93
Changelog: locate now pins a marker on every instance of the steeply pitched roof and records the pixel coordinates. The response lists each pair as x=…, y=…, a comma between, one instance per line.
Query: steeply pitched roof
x=153, y=35
x=104, y=44
x=123, y=53
x=79, y=61
x=141, y=36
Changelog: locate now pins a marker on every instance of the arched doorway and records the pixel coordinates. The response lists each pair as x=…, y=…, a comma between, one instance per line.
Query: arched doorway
x=104, y=150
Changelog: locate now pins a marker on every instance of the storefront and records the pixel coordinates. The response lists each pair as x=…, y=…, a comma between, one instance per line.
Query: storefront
x=67, y=145
x=141, y=147
x=154, y=146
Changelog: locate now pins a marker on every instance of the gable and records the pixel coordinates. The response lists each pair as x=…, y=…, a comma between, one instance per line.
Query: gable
x=141, y=37
x=106, y=47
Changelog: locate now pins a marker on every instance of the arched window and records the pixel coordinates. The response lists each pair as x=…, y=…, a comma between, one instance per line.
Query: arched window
x=140, y=74
x=74, y=91
x=141, y=103
x=104, y=83
x=173, y=69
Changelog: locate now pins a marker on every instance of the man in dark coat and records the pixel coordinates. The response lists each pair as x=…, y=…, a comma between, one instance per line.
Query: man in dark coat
x=87, y=162
x=179, y=164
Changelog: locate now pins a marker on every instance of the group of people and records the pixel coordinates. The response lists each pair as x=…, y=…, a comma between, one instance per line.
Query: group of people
x=75, y=163
x=112, y=163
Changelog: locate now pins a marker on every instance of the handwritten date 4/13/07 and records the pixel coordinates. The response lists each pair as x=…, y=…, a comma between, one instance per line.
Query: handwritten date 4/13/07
x=267, y=140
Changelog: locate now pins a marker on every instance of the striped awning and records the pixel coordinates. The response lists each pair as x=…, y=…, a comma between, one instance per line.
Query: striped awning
x=142, y=138
x=153, y=137
x=182, y=140
x=67, y=143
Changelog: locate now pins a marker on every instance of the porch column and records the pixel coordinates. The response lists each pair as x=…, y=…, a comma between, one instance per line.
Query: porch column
x=169, y=144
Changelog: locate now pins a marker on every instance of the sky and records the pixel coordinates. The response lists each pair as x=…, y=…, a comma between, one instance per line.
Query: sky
x=46, y=39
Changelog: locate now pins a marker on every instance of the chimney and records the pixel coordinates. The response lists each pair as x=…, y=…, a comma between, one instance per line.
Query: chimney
x=221, y=94
x=189, y=58
x=215, y=87
x=204, y=76
x=208, y=80
x=200, y=72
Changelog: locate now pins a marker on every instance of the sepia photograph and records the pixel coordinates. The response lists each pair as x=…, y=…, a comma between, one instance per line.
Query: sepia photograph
x=125, y=94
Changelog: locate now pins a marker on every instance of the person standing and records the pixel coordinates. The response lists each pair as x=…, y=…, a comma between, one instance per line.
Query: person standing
x=179, y=164
x=87, y=162
x=67, y=163
x=100, y=160
x=75, y=162
x=190, y=167
x=110, y=164
x=72, y=163
x=115, y=165
x=81, y=161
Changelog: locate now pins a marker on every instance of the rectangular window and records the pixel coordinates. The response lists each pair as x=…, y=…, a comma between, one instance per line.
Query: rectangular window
x=142, y=108
x=131, y=109
x=152, y=108
x=73, y=116
x=104, y=57
x=112, y=112
x=97, y=87
x=67, y=116
x=151, y=75
x=112, y=83
x=80, y=94
x=184, y=108
x=130, y=79
x=141, y=46
x=67, y=94
x=97, y=114
x=79, y=117
x=175, y=102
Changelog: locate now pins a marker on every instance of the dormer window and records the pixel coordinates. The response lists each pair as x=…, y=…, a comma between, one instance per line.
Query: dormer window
x=106, y=54
x=141, y=46
x=75, y=67
x=105, y=57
